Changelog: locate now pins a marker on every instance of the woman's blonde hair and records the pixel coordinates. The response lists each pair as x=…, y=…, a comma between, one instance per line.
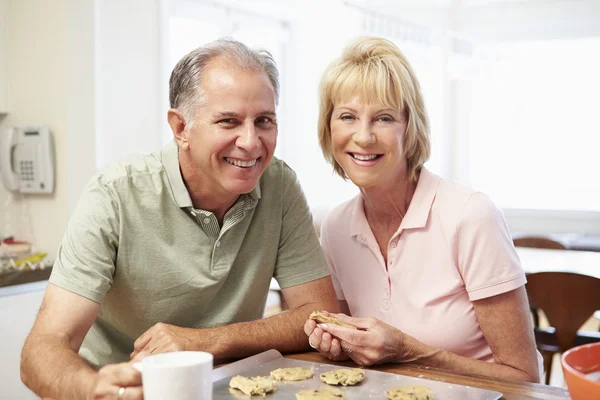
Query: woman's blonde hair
x=375, y=70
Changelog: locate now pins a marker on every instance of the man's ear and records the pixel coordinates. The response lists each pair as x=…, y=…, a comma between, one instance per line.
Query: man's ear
x=177, y=124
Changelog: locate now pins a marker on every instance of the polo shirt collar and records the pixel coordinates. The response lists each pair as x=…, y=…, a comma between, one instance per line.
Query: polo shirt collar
x=170, y=162
x=418, y=210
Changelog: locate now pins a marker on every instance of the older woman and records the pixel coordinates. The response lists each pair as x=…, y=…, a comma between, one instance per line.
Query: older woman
x=425, y=266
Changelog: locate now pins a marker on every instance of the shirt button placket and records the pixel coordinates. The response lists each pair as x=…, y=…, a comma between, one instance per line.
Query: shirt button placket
x=386, y=305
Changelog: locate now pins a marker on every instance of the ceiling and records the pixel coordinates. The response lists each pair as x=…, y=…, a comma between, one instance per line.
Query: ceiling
x=440, y=3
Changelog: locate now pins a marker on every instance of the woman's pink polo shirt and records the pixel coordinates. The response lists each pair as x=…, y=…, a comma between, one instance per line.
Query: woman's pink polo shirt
x=452, y=247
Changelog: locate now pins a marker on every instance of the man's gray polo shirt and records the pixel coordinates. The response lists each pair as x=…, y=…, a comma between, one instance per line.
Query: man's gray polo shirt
x=136, y=245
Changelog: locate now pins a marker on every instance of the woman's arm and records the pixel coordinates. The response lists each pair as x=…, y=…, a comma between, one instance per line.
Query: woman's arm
x=504, y=321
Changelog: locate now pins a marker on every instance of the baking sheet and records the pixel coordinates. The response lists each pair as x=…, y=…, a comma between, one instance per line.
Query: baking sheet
x=374, y=386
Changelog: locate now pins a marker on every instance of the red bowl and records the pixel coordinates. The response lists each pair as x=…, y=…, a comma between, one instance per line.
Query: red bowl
x=581, y=368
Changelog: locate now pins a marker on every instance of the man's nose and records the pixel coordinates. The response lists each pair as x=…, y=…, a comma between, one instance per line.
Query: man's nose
x=248, y=139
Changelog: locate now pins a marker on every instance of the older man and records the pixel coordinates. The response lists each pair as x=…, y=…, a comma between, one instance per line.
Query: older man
x=176, y=250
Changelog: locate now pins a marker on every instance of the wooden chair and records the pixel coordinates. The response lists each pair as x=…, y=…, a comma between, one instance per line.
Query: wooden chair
x=538, y=243
x=568, y=300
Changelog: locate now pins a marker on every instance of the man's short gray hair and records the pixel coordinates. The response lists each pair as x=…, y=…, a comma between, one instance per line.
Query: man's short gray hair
x=185, y=93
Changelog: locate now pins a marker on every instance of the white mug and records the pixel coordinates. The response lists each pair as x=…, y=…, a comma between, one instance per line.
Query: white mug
x=181, y=375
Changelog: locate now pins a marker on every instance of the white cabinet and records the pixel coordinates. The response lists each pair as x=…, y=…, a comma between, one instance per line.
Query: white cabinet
x=3, y=56
x=18, y=309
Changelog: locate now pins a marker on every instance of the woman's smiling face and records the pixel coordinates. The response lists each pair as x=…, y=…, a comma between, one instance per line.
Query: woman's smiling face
x=367, y=142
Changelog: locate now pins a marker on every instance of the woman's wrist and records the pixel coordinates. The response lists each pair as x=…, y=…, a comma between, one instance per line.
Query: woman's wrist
x=413, y=351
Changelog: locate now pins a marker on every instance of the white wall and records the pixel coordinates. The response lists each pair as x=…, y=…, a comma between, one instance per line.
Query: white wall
x=3, y=55
x=81, y=99
x=319, y=41
x=128, y=79
x=36, y=73
x=92, y=71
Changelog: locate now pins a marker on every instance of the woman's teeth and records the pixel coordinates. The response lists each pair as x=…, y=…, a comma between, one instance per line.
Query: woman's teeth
x=365, y=157
x=241, y=163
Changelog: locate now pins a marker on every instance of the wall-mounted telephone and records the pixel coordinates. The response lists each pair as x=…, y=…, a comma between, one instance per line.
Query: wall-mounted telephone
x=27, y=159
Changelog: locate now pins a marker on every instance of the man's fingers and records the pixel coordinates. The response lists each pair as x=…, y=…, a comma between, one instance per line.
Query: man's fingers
x=128, y=393
x=133, y=393
x=140, y=355
x=121, y=375
x=142, y=341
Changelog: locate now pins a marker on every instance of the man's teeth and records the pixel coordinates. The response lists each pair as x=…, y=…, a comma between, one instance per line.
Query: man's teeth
x=364, y=158
x=241, y=163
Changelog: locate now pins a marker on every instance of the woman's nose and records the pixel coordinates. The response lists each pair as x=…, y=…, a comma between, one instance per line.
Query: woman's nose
x=364, y=135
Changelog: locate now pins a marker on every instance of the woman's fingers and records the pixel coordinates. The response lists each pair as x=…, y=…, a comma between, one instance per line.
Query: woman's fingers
x=315, y=338
x=335, y=350
x=309, y=327
x=361, y=323
x=345, y=334
x=326, y=342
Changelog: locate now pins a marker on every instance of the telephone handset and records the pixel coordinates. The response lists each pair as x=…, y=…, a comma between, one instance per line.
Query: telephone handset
x=27, y=160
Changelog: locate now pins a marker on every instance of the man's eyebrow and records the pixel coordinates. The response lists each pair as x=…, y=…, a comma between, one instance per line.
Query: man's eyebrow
x=231, y=114
x=226, y=114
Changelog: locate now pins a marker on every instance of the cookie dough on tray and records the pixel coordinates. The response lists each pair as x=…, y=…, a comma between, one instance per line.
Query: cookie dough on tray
x=256, y=386
x=292, y=374
x=344, y=376
x=325, y=319
x=322, y=394
x=410, y=393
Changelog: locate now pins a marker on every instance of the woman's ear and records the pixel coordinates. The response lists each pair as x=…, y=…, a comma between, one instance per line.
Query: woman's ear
x=177, y=124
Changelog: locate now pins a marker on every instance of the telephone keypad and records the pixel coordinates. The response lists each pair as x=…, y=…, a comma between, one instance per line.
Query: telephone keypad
x=26, y=171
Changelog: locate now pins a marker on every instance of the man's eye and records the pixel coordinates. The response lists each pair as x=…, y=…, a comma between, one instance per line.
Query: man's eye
x=264, y=120
x=227, y=121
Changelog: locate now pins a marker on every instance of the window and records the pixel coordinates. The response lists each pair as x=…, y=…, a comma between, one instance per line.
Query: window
x=194, y=23
x=534, y=134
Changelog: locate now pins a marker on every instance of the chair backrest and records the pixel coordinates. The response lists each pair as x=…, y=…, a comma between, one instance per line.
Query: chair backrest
x=567, y=299
x=539, y=243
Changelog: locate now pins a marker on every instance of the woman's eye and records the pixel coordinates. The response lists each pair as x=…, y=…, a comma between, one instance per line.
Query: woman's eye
x=346, y=117
x=385, y=118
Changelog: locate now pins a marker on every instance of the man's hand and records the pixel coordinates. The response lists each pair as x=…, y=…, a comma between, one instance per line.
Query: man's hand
x=164, y=338
x=114, y=378
x=323, y=342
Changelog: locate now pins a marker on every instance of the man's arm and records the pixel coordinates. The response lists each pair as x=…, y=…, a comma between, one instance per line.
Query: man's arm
x=50, y=365
x=283, y=331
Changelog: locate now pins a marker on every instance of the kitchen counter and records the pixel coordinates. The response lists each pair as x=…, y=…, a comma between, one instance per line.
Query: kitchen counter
x=18, y=282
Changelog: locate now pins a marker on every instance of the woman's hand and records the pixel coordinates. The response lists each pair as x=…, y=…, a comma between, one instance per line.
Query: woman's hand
x=376, y=342
x=323, y=342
